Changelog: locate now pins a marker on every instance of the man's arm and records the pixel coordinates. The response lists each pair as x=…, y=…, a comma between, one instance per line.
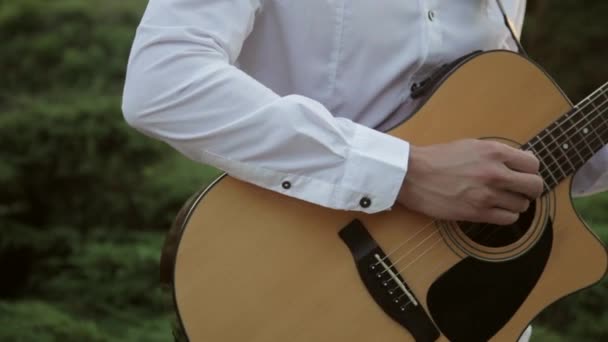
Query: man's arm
x=182, y=88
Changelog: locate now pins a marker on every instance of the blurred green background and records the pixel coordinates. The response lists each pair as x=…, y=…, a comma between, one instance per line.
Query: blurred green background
x=86, y=200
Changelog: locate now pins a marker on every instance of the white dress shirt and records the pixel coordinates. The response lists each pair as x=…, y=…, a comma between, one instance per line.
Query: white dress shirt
x=282, y=93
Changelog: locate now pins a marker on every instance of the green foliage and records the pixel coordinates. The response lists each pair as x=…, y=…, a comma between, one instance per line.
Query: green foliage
x=44, y=152
x=85, y=198
x=41, y=322
x=581, y=316
x=594, y=209
x=30, y=320
x=127, y=261
x=542, y=334
x=568, y=39
x=73, y=43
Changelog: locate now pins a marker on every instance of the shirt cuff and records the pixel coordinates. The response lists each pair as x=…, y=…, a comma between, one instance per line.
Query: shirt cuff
x=374, y=171
x=372, y=174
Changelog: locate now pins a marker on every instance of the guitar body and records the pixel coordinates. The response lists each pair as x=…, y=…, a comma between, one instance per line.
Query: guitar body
x=248, y=264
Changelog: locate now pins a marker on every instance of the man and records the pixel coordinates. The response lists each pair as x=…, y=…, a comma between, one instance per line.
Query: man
x=292, y=95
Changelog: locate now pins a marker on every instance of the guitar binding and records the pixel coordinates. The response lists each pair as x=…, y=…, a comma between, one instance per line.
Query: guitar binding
x=169, y=256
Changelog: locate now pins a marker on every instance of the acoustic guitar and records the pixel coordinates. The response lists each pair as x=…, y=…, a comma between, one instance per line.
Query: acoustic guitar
x=247, y=264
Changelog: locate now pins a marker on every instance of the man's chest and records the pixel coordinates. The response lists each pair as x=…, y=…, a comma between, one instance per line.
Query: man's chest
x=358, y=56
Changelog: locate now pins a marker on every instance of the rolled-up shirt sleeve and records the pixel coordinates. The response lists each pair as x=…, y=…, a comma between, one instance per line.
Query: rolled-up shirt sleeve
x=182, y=88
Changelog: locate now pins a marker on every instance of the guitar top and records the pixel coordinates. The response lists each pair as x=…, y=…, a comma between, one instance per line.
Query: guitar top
x=247, y=264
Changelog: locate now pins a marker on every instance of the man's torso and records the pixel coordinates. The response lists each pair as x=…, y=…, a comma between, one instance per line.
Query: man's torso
x=360, y=58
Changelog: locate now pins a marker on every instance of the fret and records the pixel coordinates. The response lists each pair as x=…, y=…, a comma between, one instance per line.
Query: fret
x=529, y=146
x=603, y=93
x=592, y=128
x=586, y=130
x=551, y=153
x=599, y=119
x=582, y=148
x=598, y=103
x=603, y=119
x=578, y=135
x=543, y=161
x=584, y=134
x=568, y=131
x=562, y=147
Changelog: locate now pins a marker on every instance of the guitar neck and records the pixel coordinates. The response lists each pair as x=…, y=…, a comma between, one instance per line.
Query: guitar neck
x=569, y=142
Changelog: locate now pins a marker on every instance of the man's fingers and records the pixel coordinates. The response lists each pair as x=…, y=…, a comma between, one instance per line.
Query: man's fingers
x=499, y=216
x=512, y=202
x=523, y=161
x=529, y=185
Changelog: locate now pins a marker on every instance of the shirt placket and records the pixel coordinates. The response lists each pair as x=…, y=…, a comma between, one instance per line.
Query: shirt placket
x=433, y=21
x=431, y=39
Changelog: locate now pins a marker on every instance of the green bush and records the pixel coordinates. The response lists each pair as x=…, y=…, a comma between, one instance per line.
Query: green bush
x=85, y=199
x=65, y=44
x=37, y=321
x=594, y=209
x=64, y=162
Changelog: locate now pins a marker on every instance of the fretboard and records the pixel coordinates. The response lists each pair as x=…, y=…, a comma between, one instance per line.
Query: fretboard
x=569, y=142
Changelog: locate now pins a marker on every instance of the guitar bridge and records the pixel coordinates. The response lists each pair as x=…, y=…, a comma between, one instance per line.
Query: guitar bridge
x=397, y=280
x=385, y=285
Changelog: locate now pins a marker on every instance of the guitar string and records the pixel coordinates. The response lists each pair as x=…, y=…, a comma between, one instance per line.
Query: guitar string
x=481, y=230
x=564, y=157
x=429, y=249
x=595, y=139
x=438, y=265
x=578, y=110
x=589, y=102
x=429, y=273
x=597, y=94
x=554, y=146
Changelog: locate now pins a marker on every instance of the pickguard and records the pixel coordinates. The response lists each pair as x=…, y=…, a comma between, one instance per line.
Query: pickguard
x=474, y=299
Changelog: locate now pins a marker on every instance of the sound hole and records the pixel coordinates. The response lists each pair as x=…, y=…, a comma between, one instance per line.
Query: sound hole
x=491, y=235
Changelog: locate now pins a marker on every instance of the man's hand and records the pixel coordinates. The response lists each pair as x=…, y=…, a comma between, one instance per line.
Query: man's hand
x=471, y=180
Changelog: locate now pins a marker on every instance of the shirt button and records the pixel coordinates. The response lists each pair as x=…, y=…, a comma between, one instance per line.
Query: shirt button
x=414, y=87
x=431, y=15
x=286, y=185
x=365, y=202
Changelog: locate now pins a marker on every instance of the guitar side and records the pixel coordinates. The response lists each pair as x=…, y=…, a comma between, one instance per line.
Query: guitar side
x=251, y=264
